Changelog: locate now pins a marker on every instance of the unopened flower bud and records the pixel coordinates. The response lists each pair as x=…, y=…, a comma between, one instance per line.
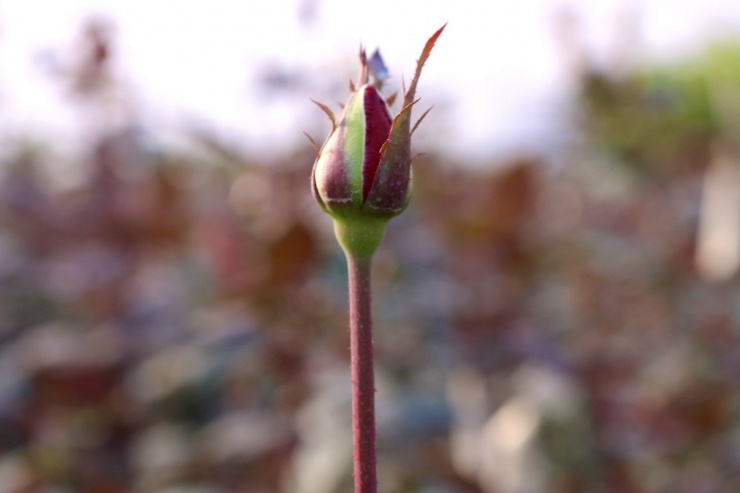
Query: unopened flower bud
x=348, y=162
x=362, y=173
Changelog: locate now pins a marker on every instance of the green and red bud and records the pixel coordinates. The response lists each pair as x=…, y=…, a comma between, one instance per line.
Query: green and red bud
x=349, y=160
x=362, y=173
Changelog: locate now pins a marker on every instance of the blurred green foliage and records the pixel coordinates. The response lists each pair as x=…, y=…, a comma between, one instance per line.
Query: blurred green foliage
x=661, y=119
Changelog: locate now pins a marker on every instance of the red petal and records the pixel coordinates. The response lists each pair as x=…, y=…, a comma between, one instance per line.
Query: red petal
x=377, y=131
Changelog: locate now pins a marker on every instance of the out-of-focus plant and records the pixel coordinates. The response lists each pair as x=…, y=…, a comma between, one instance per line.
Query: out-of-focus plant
x=362, y=178
x=665, y=118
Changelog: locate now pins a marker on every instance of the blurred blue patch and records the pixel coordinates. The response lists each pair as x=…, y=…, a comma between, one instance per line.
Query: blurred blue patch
x=377, y=66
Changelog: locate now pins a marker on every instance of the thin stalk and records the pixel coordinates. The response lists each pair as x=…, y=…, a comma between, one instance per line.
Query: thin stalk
x=363, y=379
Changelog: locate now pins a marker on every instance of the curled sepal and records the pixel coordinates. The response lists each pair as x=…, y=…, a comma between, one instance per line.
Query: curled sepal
x=328, y=113
x=408, y=97
x=391, y=189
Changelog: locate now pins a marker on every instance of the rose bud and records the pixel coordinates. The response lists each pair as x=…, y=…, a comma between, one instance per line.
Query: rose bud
x=362, y=173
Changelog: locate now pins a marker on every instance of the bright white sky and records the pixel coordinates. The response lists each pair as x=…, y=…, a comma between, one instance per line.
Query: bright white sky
x=498, y=73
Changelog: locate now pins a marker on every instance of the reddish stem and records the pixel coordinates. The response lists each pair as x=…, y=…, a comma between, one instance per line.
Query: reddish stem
x=363, y=379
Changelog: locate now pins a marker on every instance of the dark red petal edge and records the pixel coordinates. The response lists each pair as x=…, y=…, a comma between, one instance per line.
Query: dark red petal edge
x=377, y=129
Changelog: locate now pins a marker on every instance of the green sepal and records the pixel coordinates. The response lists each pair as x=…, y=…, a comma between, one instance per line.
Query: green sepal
x=359, y=235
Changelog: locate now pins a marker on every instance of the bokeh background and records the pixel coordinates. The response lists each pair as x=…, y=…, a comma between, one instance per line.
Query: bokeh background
x=558, y=310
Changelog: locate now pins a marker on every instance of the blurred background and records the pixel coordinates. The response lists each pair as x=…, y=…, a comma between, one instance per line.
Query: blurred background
x=557, y=311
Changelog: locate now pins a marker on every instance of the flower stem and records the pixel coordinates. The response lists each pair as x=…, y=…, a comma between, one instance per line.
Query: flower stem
x=363, y=379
